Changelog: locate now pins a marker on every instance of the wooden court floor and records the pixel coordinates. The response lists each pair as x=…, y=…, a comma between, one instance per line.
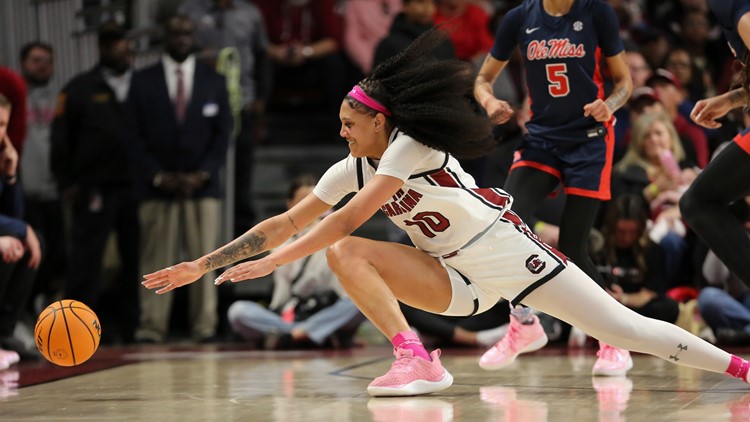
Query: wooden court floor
x=225, y=384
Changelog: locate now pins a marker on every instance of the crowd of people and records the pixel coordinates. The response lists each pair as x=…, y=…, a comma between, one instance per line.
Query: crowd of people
x=605, y=177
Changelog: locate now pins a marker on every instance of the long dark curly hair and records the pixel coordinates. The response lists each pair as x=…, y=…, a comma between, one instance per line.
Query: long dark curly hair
x=430, y=100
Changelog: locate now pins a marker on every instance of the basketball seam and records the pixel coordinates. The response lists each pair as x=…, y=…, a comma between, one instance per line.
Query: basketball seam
x=70, y=340
x=93, y=339
x=49, y=335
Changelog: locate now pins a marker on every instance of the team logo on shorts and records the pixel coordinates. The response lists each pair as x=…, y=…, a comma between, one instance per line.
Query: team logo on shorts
x=535, y=264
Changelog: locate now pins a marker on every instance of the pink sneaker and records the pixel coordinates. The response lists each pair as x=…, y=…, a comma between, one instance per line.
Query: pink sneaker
x=521, y=338
x=612, y=362
x=411, y=376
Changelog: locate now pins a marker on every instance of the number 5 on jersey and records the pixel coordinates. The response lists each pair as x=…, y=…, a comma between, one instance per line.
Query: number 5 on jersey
x=558, y=80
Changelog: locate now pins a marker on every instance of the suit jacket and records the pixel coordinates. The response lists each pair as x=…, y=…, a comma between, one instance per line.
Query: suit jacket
x=160, y=143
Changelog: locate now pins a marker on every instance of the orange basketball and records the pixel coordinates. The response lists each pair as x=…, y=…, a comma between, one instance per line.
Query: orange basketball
x=67, y=332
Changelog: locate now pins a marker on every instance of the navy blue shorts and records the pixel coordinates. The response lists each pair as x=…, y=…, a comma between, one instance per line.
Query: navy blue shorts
x=584, y=169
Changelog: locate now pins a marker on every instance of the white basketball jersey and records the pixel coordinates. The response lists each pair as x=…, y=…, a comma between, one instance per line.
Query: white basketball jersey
x=439, y=206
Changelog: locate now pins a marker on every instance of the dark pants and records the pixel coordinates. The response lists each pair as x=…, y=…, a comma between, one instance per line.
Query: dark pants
x=96, y=213
x=16, y=284
x=661, y=308
x=46, y=217
x=244, y=213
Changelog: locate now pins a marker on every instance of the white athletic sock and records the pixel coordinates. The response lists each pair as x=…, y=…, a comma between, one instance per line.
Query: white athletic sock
x=489, y=337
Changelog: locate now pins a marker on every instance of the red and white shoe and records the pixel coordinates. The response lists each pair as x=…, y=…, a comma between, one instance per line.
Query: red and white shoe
x=612, y=362
x=410, y=376
x=521, y=338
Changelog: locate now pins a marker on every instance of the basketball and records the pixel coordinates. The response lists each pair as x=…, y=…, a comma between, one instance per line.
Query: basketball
x=67, y=332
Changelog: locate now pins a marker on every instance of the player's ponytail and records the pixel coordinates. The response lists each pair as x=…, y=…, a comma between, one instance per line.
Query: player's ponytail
x=430, y=100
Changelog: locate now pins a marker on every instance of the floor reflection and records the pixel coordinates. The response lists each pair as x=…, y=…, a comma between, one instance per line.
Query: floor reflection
x=613, y=394
x=8, y=383
x=505, y=401
x=410, y=409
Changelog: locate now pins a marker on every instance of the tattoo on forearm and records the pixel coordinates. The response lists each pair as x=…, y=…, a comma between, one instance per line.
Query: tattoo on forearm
x=617, y=99
x=738, y=97
x=245, y=246
x=291, y=221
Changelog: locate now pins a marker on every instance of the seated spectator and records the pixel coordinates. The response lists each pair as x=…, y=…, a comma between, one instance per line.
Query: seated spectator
x=366, y=23
x=654, y=169
x=642, y=101
x=696, y=82
x=305, y=44
x=308, y=304
x=632, y=265
x=20, y=250
x=468, y=26
x=415, y=18
x=669, y=91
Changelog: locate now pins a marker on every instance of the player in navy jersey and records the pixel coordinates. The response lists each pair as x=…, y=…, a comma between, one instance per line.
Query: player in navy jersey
x=570, y=137
x=726, y=179
x=402, y=125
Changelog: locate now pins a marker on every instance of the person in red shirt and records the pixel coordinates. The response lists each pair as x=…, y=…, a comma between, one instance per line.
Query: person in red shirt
x=13, y=88
x=468, y=26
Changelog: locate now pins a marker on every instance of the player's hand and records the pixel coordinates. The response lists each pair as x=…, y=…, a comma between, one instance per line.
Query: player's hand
x=247, y=271
x=707, y=111
x=32, y=244
x=11, y=249
x=498, y=111
x=599, y=110
x=173, y=277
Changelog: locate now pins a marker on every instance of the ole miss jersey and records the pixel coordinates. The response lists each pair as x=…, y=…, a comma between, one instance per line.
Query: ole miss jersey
x=561, y=56
x=728, y=13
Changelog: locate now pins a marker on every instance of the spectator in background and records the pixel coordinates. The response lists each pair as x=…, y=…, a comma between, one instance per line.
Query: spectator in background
x=13, y=88
x=696, y=82
x=633, y=266
x=42, y=205
x=308, y=303
x=639, y=72
x=655, y=169
x=366, y=23
x=238, y=24
x=20, y=250
x=178, y=124
x=415, y=18
x=89, y=160
x=654, y=45
x=669, y=91
x=306, y=39
x=468, y=27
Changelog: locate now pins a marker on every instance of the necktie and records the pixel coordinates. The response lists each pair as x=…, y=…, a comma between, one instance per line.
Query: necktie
x=179, y=98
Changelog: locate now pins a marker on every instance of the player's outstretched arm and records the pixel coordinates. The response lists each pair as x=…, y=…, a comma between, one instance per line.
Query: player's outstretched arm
x=264, y=236
x=331, y=229
x=498, y=111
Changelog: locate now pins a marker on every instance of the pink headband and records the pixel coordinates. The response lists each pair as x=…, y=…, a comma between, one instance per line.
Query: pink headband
x=358, y=94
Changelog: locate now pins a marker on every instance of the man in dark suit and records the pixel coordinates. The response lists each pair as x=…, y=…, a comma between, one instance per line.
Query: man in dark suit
x=178, y=123
x=89, y=161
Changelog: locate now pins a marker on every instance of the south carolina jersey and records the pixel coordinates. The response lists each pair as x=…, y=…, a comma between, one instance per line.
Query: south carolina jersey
x=439, y=206
x=728, y=13
x=561, y=57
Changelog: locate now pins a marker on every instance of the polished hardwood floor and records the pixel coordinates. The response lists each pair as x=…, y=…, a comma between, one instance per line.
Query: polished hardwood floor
x=225, y=384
